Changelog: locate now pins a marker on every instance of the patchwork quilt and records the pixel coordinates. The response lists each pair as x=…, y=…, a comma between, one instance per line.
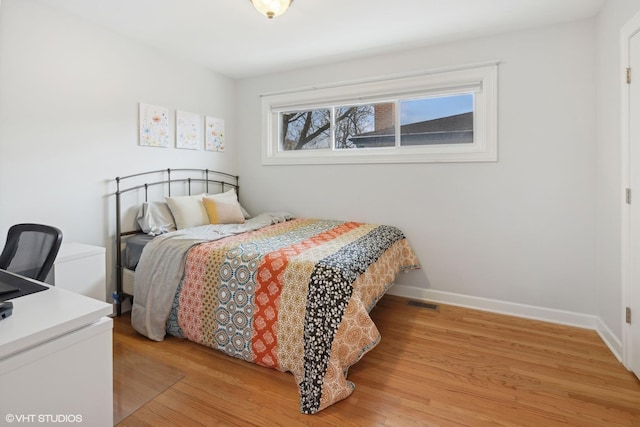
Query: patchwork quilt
x=294, y=295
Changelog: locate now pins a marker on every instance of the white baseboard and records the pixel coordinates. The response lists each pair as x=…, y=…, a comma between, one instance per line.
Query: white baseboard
x=514, y=309
x=614, y=343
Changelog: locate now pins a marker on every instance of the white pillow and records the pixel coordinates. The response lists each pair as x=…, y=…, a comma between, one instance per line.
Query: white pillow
x=188, y=211
x=155, y=218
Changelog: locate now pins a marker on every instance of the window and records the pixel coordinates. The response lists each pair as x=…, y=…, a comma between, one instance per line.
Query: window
x=433, y=117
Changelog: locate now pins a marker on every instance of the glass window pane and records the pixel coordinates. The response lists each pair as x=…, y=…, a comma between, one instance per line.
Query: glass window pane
x=305, y=130
x=439, y=120
x=366, y=126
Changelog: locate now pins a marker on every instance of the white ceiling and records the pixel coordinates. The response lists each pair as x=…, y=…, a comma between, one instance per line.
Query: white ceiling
x=232, y=38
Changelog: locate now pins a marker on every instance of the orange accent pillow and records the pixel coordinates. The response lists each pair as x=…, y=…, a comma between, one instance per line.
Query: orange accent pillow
x=223, y=210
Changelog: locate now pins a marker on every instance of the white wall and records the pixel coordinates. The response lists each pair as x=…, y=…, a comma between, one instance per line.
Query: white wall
x=529, y=229
x=521, y=230
x=69, y=94
x=609, y=179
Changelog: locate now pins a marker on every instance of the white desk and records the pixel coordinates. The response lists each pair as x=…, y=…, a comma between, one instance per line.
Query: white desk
x=56, y=360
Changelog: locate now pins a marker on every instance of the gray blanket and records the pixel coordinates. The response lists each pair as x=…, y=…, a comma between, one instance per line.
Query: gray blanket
x=161, y=268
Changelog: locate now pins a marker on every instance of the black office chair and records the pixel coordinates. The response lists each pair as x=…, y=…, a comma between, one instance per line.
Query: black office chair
x=30, y=250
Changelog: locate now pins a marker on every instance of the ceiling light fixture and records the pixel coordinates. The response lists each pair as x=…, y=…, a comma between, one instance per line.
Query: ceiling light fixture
x=271, y=8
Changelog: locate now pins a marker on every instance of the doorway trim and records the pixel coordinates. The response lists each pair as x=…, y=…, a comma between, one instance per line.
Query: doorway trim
x=628, y=30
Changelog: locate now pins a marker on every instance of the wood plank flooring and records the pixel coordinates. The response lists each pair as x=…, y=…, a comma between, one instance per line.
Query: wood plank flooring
x=450, y=367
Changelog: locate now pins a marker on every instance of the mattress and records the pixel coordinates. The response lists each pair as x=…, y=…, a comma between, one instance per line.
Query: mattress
x=133, y=250
x=127, y=281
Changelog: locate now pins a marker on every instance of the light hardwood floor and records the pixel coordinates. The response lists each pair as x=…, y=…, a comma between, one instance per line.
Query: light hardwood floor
x=449, y=367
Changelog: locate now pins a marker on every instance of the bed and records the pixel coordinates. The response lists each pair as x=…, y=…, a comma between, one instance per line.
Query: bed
x=288, y=293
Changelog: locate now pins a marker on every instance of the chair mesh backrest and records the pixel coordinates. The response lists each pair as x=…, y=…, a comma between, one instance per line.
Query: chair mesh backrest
x=33, y=250
x=30, y=250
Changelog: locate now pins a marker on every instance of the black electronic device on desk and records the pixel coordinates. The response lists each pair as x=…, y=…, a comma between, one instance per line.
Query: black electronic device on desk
x=15, y=286
x=6, y=309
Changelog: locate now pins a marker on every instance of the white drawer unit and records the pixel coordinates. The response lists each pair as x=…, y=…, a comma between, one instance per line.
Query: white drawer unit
x=56, y=363
x=80, y=268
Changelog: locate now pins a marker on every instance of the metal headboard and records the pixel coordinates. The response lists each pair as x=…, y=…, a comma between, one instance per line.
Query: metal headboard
x=208, y=179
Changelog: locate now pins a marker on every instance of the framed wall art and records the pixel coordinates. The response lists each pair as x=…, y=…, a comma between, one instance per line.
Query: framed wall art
x=154, y=126
x=214, y=134
x=188, y=130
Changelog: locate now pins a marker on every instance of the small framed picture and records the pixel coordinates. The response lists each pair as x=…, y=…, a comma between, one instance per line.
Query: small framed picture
x=214, y=134
x=154, y=126
x=188, y=130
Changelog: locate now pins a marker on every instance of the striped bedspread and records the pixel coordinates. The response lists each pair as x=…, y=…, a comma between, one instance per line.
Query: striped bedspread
x=293, y=296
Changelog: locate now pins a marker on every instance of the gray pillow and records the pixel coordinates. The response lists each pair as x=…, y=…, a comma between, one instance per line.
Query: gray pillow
x=155, y=218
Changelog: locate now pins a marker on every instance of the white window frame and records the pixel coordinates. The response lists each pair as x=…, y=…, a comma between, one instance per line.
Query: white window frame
x=481, y=80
